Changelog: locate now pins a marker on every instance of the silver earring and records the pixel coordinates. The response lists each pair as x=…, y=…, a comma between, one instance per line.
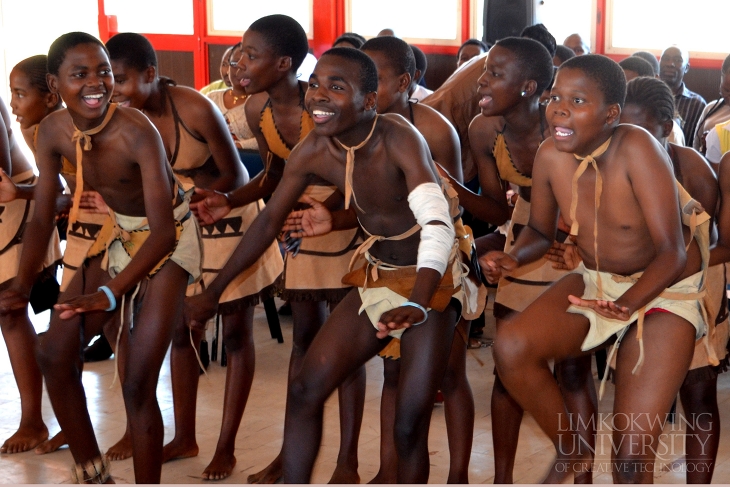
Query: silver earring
x=524, y=93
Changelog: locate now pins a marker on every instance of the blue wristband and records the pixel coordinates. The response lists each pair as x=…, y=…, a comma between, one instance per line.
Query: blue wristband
x=110, y=297
x=416, y=305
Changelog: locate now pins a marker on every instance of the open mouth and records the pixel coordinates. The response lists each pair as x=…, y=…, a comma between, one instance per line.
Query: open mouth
x=93, y=101
x=562, y=132
x=485, y=101
x=321, y=116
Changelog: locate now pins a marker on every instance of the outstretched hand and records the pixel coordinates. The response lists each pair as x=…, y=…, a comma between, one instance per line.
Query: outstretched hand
x=212, y=206
x=563, y=256
x=397, y=318
x=199, y=309
x=607, y=309
x=310, y=222
x=496, y=264
x=85, y=303
x=8, y=189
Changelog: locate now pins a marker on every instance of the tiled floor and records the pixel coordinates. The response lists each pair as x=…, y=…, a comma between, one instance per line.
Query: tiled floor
x=260, y=434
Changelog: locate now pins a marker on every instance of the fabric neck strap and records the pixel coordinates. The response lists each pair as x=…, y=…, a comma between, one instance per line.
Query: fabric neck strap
x=584, y=161
x=85, y=136
x=350, y=164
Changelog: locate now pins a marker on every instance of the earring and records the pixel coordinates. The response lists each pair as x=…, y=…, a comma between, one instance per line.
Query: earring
x=523, y=93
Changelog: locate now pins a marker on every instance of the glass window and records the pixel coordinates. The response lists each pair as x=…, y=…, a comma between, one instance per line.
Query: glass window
x=152, y=16
x=647, y=25
x=477, y=19
x=412, y=21
x=227, y=17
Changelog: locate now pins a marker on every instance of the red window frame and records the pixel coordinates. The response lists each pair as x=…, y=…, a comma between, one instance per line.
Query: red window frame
x=328, y=22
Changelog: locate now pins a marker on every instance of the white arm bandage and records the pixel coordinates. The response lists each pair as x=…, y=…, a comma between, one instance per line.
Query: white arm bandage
x=428, y=204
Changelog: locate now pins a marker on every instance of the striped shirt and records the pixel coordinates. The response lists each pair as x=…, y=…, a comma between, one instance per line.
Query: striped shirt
x=689, y=106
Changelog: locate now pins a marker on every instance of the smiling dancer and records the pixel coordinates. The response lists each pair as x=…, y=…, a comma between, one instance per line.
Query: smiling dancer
x=123, y=158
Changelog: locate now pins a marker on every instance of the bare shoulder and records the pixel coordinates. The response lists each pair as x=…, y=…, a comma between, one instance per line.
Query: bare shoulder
x=630, y=138
x=309, y=153
x=194, y=107
x=432, y=120
x=388, y=122
x=253, y=107
x=133, y=123
x=483, y=130
x=55, y=126
x=255, y=103
x=693, y=163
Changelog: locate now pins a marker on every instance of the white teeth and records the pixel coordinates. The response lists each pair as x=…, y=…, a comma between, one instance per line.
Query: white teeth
x=99, y=95
x=563, y=134
x=321, y=113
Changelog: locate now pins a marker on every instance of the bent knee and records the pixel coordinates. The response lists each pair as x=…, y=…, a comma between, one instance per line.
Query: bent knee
x=511, y=349
x=304, y=394
x=408, y=431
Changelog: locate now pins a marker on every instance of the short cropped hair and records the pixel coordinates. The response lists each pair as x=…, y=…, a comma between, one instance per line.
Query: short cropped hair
x=351, y=38
x=57, y=51
x=564, y=53
x=397, y=51
x=421, y=62
x=653, y=95
x=35, y=68
x=540, y=33
x=605, y=72
x=638, y=65
x=285, y=37
x=472, y=42
x=649, y=58
x=368, y=70
x=533, y=59
x=132, y=49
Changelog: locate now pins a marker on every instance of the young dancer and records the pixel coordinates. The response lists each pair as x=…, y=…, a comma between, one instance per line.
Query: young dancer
x=504, y=140
x=650, y=105
x=636, y=235
x=395, y=63
x=202, y=154
x=231, y=104
x=16, y=208
x=273, y=49
x=120, y=153
x=397, y=270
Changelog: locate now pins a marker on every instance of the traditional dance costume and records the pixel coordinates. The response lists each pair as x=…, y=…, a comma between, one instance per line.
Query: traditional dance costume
x=220, y=239
x=315, y=273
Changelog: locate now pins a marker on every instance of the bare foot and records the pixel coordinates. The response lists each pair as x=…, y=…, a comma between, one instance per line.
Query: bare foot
x=220, y=467
x=270, y=475
x=121, y=450
x=26, y=438
x=344, y=474
x=178, y=449
x=51, y=445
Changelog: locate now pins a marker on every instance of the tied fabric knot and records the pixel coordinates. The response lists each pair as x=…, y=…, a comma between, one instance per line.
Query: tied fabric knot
x=350, y=165
x=85, y=136
x=584, y=162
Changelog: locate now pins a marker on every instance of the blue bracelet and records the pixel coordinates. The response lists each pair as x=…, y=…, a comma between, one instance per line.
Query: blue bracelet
x=416, y=305
x=110, y=297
